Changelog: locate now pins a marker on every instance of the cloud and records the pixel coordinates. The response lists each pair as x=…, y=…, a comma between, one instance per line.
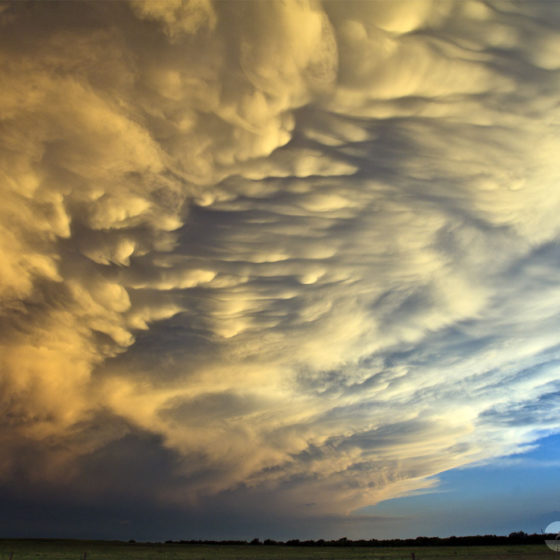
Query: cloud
x=308, y=251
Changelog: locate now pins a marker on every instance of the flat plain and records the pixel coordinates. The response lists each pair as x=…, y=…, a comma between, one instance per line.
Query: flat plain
x=101, y=550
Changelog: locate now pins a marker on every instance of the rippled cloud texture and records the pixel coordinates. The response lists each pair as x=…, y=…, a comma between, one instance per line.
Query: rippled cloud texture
x=290, y=257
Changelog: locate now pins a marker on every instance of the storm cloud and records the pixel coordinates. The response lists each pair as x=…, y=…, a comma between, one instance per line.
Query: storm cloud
x=291, y=257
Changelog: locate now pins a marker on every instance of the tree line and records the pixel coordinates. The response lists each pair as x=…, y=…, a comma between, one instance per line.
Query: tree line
x=517, y=537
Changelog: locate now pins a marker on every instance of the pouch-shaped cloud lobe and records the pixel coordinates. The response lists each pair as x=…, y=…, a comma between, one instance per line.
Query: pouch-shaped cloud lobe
x=311, y=248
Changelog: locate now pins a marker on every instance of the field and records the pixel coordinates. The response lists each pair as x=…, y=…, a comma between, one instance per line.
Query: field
x=96, y=550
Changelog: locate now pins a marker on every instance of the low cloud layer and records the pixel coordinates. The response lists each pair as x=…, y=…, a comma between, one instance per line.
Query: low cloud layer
x=305, y=253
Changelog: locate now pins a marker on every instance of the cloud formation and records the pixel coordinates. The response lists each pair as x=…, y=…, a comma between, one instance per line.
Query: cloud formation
x=309, y=249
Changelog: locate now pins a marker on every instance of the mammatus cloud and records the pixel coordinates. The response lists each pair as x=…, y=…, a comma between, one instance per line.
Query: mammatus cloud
x=311, y=248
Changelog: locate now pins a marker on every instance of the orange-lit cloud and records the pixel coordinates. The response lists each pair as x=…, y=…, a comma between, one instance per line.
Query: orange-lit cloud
x=310, y=248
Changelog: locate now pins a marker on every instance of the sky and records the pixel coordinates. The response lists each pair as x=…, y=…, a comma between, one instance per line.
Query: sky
x=279, y=269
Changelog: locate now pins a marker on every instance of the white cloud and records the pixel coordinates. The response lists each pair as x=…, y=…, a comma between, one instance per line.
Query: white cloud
x=312, y=247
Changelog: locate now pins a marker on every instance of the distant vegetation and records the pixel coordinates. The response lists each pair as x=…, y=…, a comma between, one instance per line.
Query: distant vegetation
x=518, y=537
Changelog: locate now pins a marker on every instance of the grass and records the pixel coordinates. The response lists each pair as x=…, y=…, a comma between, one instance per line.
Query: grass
x=98, y=550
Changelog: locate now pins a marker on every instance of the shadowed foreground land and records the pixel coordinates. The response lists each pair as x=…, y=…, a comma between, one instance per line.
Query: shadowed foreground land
x=98, y=550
